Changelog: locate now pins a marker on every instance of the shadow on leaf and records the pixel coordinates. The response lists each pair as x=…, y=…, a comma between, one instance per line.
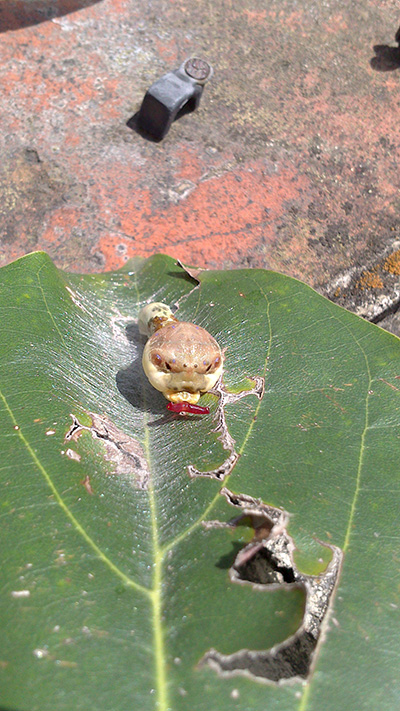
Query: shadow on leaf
x=226, y=561
x=132, y=382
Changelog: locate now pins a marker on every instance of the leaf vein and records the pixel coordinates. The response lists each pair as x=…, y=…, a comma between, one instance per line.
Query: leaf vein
x=60, y=501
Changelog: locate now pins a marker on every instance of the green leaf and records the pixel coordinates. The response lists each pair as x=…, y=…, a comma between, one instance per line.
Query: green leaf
x=113, y=591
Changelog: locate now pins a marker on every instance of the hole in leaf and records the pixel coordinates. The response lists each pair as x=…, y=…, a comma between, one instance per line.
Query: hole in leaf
x=267, y=561
x=264, y=569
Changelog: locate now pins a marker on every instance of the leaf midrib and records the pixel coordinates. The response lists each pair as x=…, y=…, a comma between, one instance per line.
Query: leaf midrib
x=208, y=509
x=154, y=594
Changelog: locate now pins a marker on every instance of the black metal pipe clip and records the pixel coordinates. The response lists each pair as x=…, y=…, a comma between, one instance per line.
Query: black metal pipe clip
x=174, y=94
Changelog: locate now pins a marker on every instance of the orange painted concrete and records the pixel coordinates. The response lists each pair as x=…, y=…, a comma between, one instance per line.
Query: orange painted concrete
x=289, y=163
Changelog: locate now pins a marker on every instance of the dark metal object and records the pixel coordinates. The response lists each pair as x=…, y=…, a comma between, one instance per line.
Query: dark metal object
x=197, y=69
x=172, y=95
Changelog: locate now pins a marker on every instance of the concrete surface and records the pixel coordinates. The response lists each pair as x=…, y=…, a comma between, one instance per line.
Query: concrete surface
x=290, y=162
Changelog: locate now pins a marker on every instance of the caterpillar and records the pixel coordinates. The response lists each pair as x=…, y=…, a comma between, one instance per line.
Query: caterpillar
x=180, y=359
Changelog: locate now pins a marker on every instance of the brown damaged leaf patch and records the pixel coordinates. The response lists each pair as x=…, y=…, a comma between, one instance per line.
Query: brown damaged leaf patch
x=123, y=451
x=227, y=398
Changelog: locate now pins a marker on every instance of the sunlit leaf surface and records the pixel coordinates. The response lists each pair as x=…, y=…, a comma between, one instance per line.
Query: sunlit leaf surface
x=112, y=589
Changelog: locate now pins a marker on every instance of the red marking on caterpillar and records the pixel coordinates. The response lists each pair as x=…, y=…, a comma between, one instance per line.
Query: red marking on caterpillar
x=185, y=408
